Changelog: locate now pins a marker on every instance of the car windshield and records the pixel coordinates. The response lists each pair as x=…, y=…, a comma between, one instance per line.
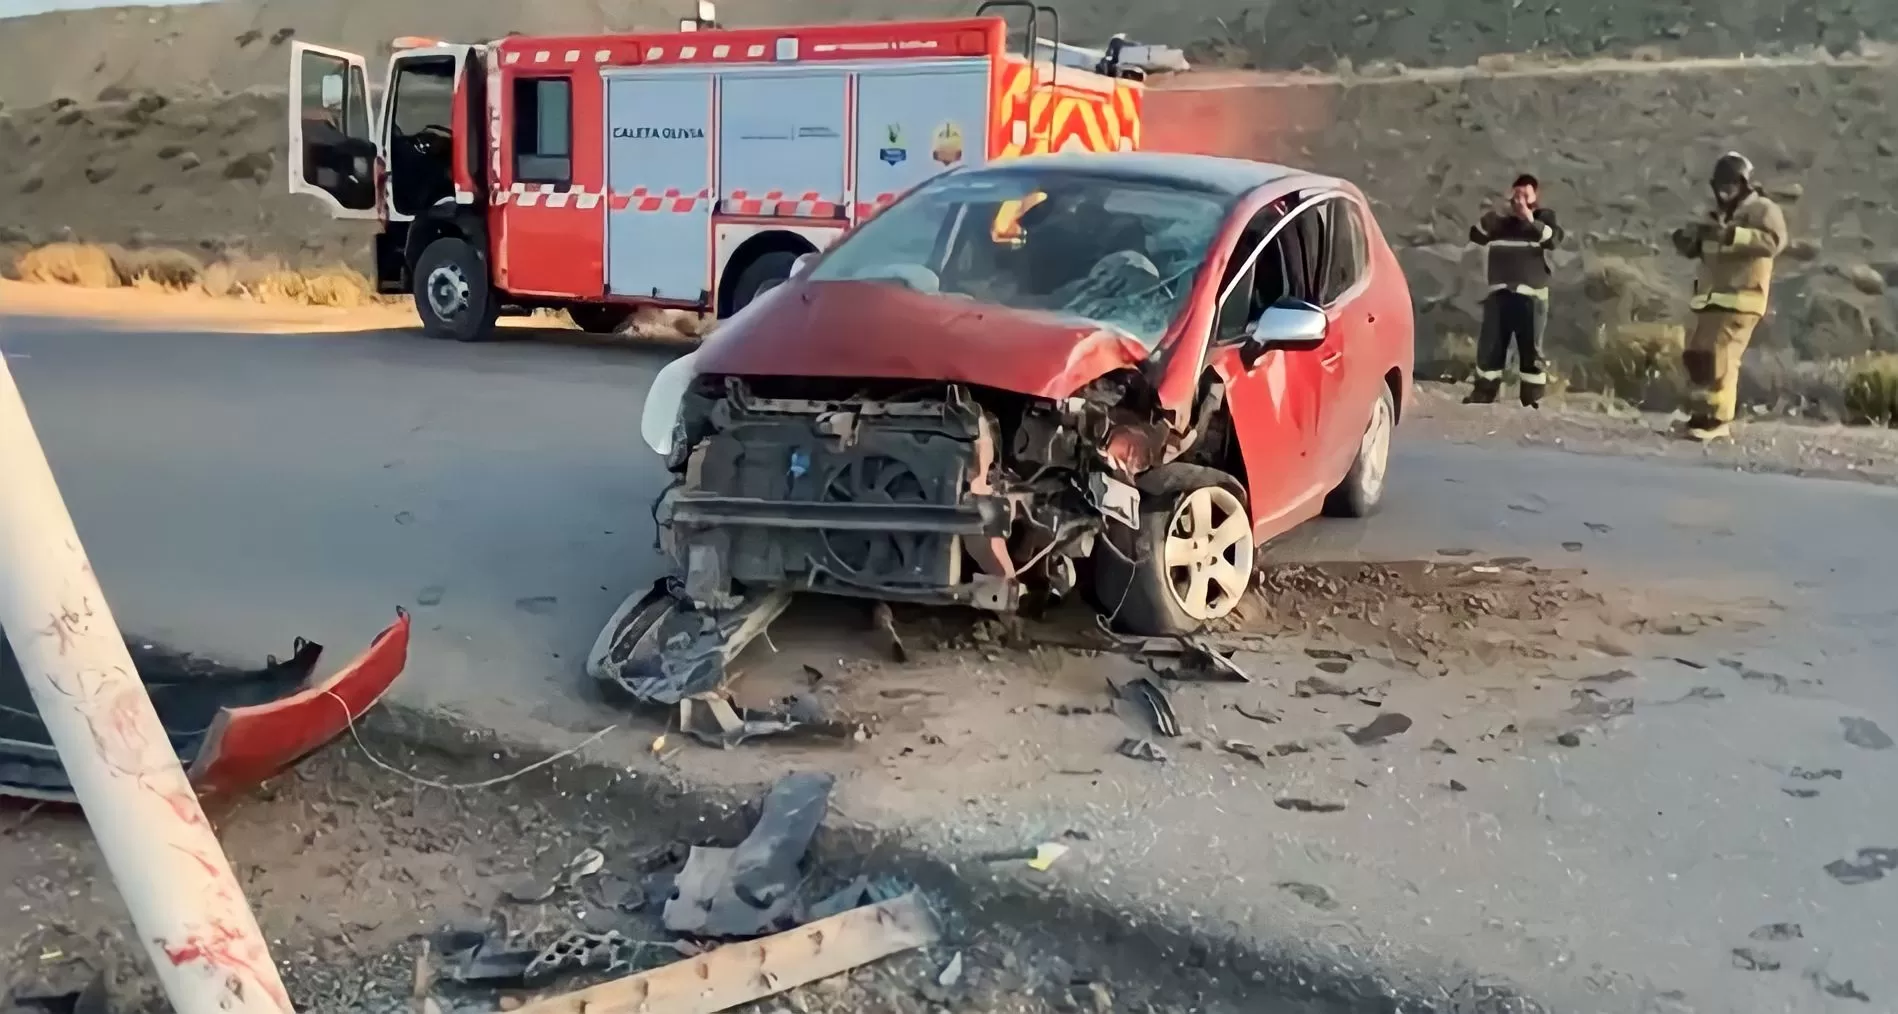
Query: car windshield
x=1120, y=254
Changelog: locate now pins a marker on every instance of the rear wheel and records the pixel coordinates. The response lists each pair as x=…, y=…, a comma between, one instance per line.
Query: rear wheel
x=599, y=319
x=1191, y=561
x=761, y=276
x=452, y=293
x=1363, y=486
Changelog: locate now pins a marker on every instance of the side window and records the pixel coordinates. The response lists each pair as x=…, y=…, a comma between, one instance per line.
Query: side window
x=1348, y=251
x=543, y=130
x=1241, y=281
x=1306, y=240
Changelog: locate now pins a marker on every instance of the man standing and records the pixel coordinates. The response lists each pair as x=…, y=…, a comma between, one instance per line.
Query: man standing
x=1735, y=245
x=1516, y=310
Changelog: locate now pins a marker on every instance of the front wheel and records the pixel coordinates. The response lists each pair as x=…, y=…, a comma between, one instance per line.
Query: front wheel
x=1363, y=486
x=452, y=293
x=1189, y=564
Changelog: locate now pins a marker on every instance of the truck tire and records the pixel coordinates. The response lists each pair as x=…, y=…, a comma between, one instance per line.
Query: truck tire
x=1363, y=486
x=452, y=293
x=599, y=318
x=762, y=275
x=1140, y=590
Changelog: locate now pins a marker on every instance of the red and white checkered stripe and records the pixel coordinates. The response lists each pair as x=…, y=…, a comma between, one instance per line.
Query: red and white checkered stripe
x=778, y=204
x=865, y=208
x=673, y=200
x=548, y=195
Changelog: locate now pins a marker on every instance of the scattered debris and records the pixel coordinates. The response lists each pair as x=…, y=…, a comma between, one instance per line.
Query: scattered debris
x=1241, y=748
x=1045, y=855
x=884, y=619
x=951, y=973
x=1141, y=749
x=713, y=719
x=1752, y=960
x=1525, y=508
x=1573, y=547
x=1872, y=864
x=1334, y=668
x=1304, y=805
x=1318, y=686
x=753, y=888
x=1148, y=695
x=1264, y=715
x=1842, y=989
x=1456, y=786
x=1589, y=704
x=1801, y=793
x=661, y=650
x=1813, y=776
x=1289, y=748
x=1778, y=931
x=1597, y=527
x=1439, y=746
x=1864, y=734
x=1690, y=663
x=1379, y=729
x=858, y=893
x=1615, y=676
x=1311, y=894
x=94, y=998
x=742, y=973
x=1570, y=738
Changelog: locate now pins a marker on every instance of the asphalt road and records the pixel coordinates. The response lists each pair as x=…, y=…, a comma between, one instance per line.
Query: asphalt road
x=236, y=491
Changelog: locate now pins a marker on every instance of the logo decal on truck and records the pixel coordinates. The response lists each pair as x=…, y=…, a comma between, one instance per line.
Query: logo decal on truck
x=894, y=152
x=659, y=133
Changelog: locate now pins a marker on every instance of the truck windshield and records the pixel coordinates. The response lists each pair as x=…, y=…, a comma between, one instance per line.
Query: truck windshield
x=1121, y=254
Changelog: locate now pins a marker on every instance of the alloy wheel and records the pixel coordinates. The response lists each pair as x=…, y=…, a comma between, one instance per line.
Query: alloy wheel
x=1208, y=553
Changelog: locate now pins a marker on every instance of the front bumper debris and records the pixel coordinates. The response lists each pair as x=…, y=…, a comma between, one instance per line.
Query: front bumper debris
x=232, y=728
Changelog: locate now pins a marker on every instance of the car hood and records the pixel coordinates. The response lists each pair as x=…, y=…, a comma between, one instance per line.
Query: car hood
x=885, y=330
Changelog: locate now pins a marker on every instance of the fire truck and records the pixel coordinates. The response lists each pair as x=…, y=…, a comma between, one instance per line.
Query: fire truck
x=687, y=169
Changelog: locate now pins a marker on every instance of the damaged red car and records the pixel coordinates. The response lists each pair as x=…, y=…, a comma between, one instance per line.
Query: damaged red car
x=1117, y=374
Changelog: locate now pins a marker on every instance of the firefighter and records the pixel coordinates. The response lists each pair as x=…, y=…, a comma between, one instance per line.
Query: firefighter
x=1518, y=239
x=1735, y=245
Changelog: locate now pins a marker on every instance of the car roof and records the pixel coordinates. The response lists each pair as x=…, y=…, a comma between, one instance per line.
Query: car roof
x=1216, y=173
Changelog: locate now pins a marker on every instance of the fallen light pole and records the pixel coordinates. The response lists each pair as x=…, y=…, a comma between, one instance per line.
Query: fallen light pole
x=186, y=904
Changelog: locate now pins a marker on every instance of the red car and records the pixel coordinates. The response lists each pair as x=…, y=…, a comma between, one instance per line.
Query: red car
x=1121, y=373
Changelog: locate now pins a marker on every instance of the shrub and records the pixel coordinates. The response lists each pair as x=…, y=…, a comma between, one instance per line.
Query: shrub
x=1871, y=392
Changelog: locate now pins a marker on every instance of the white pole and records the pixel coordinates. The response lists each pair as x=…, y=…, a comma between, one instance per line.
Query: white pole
x=186, y=904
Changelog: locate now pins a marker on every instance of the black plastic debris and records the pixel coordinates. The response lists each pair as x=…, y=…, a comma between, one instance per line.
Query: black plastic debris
x=1264, y=715
x=1141, y=749
x=1147, y=695
x=1753, y=960
x=856, y=894
x=659, y=649
x=1379, y=729
x=94, y=998
x=1241, y=748
x=1843, y=989
x=1779, y=931
x=1301, y=804
x=752, y=890
x=1872, y=864
x=1318, y=686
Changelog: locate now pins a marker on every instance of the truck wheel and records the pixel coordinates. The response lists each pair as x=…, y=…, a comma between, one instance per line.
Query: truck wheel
x=761, y=276
x=452, y=293
x=599, y=319
x=1191, y=561
x=1363, y=486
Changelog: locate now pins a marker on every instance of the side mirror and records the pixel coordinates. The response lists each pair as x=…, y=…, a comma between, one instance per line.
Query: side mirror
x=802, y=264
x=1293, y=325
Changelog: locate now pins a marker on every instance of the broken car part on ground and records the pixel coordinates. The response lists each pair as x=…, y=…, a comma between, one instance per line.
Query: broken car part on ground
x=232, y=728
x=1076, y=373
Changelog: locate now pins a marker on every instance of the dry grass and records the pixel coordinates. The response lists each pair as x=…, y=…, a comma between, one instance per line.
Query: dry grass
x=1871, y=392
x=103, y=266
x=1639, y=363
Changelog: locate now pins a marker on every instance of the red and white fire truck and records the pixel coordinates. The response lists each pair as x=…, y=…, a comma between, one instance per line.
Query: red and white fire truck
x=686, y=169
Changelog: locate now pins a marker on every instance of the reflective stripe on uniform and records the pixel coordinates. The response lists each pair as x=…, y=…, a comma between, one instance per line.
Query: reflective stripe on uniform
x=1534, y=378
x=1738, y=302
x=1548, y=232
x=1743, y=236
x=1531, y=243
x=1526, y=290
x=1489, y=374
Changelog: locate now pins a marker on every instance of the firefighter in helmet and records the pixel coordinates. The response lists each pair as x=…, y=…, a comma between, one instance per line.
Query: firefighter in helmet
x=1735, y=245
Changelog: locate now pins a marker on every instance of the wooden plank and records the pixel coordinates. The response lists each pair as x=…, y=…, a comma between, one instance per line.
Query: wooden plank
x=738, y=974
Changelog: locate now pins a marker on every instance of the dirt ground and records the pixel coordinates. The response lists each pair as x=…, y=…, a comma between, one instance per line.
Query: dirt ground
x=350, y=868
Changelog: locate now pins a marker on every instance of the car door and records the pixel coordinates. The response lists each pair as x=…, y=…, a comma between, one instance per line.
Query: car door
x=332, y=153
x=1350, y=375
x=1274, y=397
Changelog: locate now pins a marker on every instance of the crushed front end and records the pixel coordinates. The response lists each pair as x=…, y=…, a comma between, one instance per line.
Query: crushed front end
x=901, y=491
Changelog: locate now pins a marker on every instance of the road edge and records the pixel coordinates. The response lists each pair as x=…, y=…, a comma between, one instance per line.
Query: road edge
x=1199, y=963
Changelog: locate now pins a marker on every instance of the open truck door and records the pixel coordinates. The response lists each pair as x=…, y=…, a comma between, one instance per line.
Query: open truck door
x=333, y=149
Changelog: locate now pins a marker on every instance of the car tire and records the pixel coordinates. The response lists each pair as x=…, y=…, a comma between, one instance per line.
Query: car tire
x=767, y=272
x=1140, y=591
x=599, y=319
x=1363, y=486
x=452, y=292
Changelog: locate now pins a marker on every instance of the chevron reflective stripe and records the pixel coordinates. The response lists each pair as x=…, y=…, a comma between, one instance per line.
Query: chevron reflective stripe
x=1737, y=302
x=1035, y=118
x=671, y=200
x=779, y=204
x=866, y=208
